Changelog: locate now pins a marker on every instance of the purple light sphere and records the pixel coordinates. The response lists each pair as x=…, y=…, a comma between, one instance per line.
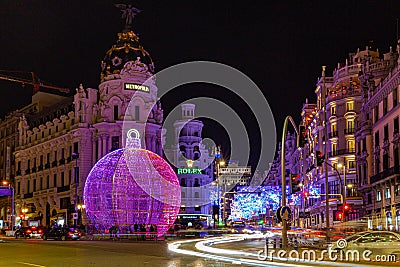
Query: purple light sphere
x=132, y=186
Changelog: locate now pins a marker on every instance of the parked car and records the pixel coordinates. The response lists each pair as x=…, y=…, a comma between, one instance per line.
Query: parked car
x=378, y=242
x=29, y=232
x=62, y=233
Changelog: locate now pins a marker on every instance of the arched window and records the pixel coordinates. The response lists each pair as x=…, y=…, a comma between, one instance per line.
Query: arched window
x=183, y=182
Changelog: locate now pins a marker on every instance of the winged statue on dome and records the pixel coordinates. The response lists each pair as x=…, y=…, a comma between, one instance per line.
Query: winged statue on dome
x=128, y=13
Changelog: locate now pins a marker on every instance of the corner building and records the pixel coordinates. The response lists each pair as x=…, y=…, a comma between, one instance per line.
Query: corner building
x=58, y=146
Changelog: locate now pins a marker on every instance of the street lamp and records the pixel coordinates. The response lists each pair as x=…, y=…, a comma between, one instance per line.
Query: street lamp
x=219, y=163
x=80, y=208
x=11, y=192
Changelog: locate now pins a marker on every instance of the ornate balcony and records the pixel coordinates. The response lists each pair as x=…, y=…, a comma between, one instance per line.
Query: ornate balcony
x=349, y=131
x=28, y=195
x=333, y=134
x=386, y=173
x=62, y=161
x=64, y=188
x=40, y=168
x=54, y=164
x=47, y=166
x=342, y=152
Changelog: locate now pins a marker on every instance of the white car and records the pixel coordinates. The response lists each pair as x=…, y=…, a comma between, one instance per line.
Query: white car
x=378, y=242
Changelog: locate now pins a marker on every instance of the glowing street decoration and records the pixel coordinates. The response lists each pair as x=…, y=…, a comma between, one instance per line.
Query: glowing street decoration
x=132, y=186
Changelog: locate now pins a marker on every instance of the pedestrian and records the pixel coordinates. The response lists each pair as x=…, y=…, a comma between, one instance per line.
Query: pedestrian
x=151, y=231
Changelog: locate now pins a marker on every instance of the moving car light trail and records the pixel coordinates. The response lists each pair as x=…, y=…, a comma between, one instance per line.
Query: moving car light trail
x=205, y=245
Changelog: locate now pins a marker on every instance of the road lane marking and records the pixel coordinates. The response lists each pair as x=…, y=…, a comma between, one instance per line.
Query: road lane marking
x=30, y=264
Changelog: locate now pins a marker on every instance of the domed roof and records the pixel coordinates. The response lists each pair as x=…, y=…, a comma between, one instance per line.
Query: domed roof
x=127, y=48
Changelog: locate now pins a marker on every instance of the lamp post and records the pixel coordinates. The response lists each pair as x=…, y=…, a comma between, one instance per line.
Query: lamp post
x=12, y=193
x=80, y=208
x=340, y=165
x=75, y=156
x=220, y=163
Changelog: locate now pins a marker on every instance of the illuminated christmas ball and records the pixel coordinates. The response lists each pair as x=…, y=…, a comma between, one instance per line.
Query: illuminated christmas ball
x=132, y=186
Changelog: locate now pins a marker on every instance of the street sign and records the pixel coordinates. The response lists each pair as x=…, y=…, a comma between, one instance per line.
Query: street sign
x=286, y=213
x=5, y=191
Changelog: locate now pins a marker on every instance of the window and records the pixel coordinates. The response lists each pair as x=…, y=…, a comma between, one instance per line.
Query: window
x=55, y=180
x=48, y=158
x=376, y=113
x=369, y=198
x=29, y=187
x=196, y=195
x=386, y=133
x=114, y=142
x=378, y=195
x=41, y=160
x=385, y=161
x=137, y=113
x=350, y=106
x=377, y=139
x=385, y=107
x=41, y=183
x=48, y=182
x=62, y=179
x=76, y=148
x=350, y=126
x=55, y=155
x=34, y=185
x=183, y=194
x=351, y=147
x=396, y=125
x=387, y=192
x=394, y=97
x=352, y=164
x=333, y=110
x=116, y=113
x=334, y=147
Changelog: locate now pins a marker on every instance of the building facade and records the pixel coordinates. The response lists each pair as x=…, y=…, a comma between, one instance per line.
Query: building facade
x=56, y=147
x=378, y=142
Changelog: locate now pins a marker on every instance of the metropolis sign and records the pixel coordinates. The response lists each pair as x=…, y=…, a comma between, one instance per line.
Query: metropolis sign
x=189, y=171
x=137, y=87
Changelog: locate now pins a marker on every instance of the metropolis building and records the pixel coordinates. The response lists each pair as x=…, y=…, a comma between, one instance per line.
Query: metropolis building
x=54, y=147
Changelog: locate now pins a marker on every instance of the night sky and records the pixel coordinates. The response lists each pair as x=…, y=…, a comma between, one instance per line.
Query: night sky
x=280, y=45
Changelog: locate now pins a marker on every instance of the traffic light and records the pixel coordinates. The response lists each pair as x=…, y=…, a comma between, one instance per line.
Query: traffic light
x=295, y=183
x=346, y=208
x=302, y=136
x=319, y=157
x=306, y=194
x=339, y=215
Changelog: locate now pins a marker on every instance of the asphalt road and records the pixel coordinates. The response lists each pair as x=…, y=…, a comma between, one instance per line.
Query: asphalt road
x=40, y=253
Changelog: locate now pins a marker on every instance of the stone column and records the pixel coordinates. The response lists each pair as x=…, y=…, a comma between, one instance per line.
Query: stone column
x=100, y=141
x=93, y=150
x=105, y=144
